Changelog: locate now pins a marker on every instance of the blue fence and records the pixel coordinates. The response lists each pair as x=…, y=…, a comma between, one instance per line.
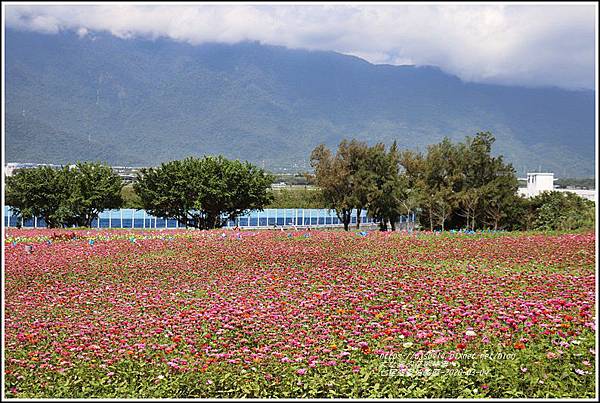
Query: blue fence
x=130, y=218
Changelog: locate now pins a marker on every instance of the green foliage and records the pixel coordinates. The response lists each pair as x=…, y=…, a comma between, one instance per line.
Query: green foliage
x=197, y=192
x=94, y=188
x=334, y=176
x=38, y=192
x=454, y=185
x=69, y=196
x=360, y=177
x=461, y=184
x=130, y=198
x=562, y=211
x=387, y=188
x=297, y=198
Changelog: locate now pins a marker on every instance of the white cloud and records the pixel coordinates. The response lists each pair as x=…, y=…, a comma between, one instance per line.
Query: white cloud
x=539, y=44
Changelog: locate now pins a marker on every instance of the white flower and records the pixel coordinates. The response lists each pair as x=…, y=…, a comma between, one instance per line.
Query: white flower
x=470, y=333
x=408, y=344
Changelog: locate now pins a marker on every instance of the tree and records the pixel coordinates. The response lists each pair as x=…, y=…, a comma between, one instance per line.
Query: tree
x=334, y=176
x=387, y=187
x=361, y=175
x=412, y=165
x=66, y=196
x=562, y=211
x=490, y=179
x=441, y=181
x=461, y=184
x=203, y=193
x=443, y=206
x=499, y=193
x=38, y=192
x=93, y=188
x=468, y=202
x=166, y=191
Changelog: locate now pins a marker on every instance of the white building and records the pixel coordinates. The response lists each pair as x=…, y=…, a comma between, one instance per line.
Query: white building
x=9, y=168
x=538, y=182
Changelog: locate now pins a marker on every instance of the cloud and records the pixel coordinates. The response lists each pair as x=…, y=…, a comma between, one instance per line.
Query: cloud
x=532, y=44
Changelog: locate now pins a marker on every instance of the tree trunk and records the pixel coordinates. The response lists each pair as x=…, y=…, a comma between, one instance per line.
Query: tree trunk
x=358, y=218
x=383, y=225
x=393, y=225
x=49, y=224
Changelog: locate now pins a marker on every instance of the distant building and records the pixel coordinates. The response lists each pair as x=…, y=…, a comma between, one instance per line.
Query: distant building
x=128, y=174
x=538, y=182
x=10, y=168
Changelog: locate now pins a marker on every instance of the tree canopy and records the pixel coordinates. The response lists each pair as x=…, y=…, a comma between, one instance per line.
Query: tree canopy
x=203, y=193
x=452, y=185
x=68, y=196
x=360, y=177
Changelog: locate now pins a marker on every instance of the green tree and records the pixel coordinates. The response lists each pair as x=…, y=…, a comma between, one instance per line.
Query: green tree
x=93, y=188
x=38, y=192
x=462, y=184
x=489, y=180
x=304, y=198
x=562, y=211
x=203, y=193
x=412, y=165
x=468, y=203
x=334, y=176
x=357, y=154
x=70, y=195
x=387, y=187
x=441, y=181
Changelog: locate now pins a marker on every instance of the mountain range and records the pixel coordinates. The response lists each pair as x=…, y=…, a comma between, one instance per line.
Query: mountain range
x=139, y=102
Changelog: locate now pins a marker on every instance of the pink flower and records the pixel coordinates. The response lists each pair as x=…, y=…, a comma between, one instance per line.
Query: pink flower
x=301, y=371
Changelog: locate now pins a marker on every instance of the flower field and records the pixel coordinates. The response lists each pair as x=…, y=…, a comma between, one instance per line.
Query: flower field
x=295, y=314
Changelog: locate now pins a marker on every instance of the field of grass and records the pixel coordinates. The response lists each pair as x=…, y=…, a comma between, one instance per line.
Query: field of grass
x=151, y=314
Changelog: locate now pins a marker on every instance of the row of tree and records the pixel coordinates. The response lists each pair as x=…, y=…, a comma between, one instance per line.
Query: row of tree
x=361, y=177
x=461, y=185
x=70, y=196
x=451, y=185
x=201, y=193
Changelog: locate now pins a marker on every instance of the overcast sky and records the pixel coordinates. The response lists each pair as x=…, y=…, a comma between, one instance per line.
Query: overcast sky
x=537, y=44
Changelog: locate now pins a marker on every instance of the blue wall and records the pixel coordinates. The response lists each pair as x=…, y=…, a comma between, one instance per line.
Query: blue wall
x=130, y=218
